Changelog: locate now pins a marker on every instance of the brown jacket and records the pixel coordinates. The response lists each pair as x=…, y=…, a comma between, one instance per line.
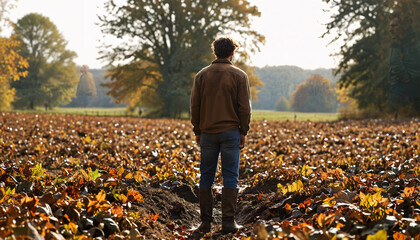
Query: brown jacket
x=220, y=99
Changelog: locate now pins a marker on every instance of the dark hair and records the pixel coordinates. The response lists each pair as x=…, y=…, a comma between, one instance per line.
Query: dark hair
x=223, y=47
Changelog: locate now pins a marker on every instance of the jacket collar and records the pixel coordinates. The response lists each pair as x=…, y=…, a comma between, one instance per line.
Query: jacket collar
x=221, y=60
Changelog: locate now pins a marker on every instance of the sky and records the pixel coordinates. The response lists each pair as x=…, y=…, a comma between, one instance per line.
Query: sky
x=292, y=28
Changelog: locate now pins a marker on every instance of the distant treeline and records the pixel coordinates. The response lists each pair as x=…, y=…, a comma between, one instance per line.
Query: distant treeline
x=102, y=100
x=279, y=81
x=282, y=81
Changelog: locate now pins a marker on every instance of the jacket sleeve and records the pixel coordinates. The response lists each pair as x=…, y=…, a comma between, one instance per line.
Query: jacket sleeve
x=195, y=106
x=244, y=105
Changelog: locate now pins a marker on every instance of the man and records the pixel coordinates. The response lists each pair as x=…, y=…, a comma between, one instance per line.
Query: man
x=404, y=63
x=220, y=114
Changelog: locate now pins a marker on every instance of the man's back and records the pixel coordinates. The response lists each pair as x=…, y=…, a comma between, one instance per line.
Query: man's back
x=220, y=99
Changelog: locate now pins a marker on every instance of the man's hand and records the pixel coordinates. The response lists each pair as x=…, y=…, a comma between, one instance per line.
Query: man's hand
x=197, y=139
x=242, y=144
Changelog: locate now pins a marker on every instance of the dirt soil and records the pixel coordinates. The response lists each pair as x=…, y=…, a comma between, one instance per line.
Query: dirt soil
x=179, y=213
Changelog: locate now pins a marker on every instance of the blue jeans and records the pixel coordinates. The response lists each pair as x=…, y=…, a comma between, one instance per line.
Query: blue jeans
x=227, y=145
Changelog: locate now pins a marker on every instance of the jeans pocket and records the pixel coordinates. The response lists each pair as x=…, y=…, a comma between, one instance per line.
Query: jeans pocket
x=232, y=139
x=208, y=141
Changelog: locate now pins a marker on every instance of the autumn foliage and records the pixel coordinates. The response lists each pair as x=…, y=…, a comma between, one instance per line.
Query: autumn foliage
x=12, y=68
x=314, y=95
x=84, y=177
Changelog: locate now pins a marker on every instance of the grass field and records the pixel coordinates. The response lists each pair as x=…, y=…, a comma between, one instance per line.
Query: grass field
x=256, y=114
x=84, y=111
x=283, y=116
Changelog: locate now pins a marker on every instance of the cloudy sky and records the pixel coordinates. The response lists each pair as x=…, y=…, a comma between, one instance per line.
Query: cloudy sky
x=292, y=29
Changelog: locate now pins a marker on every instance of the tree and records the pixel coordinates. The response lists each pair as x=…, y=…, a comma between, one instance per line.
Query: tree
x=314, y=95
x=135, y=84
x=282, y=104
x=52, y=75
x=167, y=43
x=363, y=29
x=12, y=68
x=282, y=81
x=12, y=65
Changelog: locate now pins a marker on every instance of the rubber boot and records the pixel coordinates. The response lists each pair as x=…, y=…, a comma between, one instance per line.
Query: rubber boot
x=205, y=199
x=229, y=202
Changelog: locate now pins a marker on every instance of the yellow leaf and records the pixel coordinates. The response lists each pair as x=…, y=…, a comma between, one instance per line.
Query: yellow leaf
x=369, y=201
x=299, y=184
x=294, y=187
x=101, y=196
x=289, y=187
x=306, y=170
x=71, y=227
x=79, y=205
x=380, y=235
x=128, y=176
x=329, y=201
x=138, y=176
x=122, y=198
x=87, y=139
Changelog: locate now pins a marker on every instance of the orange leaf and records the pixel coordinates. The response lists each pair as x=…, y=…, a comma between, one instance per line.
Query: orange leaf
x=134, y=196
x=112, y=171
x=122, y=198
x=120, y=171
x=117, y=211
x=320, y=220
x=399, y=236
x=29, y=202
x=408, y=191
x=154, y=217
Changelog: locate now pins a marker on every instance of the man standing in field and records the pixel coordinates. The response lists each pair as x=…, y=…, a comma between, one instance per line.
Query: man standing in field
x=220, y=114
x=404, y=64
